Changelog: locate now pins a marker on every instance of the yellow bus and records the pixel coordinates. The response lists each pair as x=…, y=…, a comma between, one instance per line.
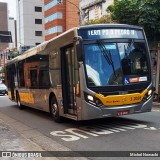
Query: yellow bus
x=87, y=72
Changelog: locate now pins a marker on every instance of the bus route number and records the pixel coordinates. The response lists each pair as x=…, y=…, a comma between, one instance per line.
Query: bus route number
x=136, y=98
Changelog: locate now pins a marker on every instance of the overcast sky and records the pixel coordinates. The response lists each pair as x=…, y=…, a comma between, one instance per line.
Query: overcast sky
x=11, y=7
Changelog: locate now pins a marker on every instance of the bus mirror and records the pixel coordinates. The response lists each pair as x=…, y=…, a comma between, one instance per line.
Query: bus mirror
x=79, y=47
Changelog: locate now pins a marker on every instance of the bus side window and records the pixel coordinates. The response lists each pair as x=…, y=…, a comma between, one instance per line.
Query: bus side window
x=33, y=77
x=44, y=81
x=21, y=74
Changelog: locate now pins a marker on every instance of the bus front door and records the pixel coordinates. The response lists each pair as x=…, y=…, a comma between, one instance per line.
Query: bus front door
x=68, y=80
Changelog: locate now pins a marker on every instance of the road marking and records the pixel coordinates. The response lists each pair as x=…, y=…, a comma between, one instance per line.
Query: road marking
x=95, y=130
x=151, y=128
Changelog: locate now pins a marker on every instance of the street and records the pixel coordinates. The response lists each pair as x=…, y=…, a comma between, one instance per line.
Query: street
x=139, y=132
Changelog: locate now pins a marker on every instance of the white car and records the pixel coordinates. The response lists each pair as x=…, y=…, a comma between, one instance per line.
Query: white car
x=3, y=89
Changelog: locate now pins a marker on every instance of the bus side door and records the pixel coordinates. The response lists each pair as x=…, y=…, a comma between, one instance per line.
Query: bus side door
x=70, y=78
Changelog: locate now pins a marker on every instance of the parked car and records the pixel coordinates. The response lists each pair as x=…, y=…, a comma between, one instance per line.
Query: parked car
x=3, y=89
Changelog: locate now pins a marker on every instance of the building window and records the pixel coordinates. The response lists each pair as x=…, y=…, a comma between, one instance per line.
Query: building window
x=55, y=29
x=38, y=33
x=57, y=15
x=38, y=21
x=52, y=4
x=37, y=44
x=38, y=9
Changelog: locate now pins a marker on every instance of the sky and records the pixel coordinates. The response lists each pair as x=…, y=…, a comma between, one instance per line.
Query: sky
x=11, y=7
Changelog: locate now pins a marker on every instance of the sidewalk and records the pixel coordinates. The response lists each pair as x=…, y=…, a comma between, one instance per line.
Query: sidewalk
x=12, y=141
x=157, y=104
x=15, y=136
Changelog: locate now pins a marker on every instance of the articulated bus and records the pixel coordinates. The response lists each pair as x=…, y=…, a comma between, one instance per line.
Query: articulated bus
x=87, y=72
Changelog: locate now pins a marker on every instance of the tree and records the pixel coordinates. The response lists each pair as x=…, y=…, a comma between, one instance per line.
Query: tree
x=144, y=13
x=104, y=19
x=13, y=54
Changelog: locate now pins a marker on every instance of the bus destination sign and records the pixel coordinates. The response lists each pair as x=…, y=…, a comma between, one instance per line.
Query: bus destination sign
x=111, y=33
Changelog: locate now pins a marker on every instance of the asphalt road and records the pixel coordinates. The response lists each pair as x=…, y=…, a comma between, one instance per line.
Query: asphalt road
x=138, y=132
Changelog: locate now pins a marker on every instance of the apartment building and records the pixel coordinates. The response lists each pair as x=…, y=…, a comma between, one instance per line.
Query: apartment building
x=94, y=9
x=30, y=23
x=4, y=19
x=60, y=15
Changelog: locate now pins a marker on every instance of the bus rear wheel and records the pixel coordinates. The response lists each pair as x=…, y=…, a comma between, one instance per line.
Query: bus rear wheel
x=54, y=110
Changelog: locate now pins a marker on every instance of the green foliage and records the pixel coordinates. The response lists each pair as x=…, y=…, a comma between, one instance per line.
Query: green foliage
x=104, y=19
x=145, y=13
x=13, y=54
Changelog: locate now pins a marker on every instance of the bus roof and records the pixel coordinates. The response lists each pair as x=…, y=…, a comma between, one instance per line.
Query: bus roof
x=38, y=50
x=41, y=47
x=110, y=25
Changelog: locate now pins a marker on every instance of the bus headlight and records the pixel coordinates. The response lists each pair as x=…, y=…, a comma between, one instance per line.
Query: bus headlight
x=92, y=100
x=89, y=98
x=149, y=92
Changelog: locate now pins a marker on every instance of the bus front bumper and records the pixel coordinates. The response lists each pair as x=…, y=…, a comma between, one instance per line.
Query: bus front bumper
x=90, y=111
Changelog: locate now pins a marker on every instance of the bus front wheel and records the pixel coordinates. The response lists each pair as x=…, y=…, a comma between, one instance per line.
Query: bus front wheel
x=54, y=110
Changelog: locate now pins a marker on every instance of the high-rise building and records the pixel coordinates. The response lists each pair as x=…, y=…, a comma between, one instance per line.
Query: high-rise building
x=12, y=28
x=94, y=9
x=60, y=15
x=30, y=23
x=4, y=22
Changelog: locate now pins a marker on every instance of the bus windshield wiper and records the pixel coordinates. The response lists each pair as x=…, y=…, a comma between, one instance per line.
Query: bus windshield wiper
x=107, y=55
x=129, y=48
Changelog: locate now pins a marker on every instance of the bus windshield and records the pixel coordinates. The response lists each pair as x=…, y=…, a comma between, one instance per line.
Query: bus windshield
x=119, y=63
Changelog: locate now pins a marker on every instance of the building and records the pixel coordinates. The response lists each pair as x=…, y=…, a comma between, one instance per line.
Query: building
x=4, y=22
x=94, y=9
x=60, y=15
x=12, y=28
x=30, y=23
x=3, y=27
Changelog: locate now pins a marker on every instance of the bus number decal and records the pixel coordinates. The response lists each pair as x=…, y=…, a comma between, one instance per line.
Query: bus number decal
x=137, y=98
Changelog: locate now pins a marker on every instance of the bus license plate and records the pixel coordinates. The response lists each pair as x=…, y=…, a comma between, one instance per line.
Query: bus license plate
x=121, y=113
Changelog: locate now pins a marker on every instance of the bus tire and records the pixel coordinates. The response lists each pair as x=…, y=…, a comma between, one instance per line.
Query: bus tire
x=54, y=110
x=20, y=106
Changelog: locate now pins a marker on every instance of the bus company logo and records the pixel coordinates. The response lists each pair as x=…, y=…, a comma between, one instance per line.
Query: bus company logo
x=116, y=101
x=124, y=100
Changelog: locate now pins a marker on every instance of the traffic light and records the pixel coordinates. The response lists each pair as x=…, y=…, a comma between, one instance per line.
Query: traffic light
x=1, y=56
